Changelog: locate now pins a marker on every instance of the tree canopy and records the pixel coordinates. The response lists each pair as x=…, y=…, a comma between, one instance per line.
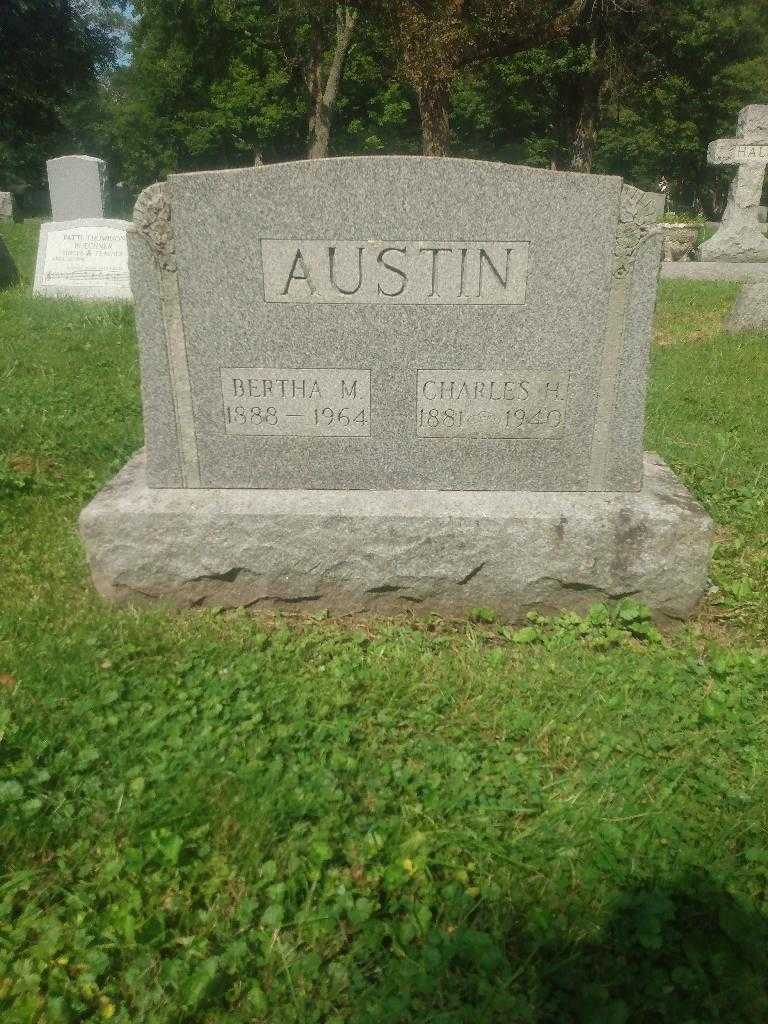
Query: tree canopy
x=54, y=54
x=634, y=87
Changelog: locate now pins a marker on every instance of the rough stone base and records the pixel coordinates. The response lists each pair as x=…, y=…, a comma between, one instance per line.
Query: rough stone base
x=390, y=551
x=736, y=242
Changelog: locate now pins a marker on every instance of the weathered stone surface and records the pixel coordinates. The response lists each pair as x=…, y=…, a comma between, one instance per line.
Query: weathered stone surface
x=740, y=236
x=723, y=271
x=84, y=259
x=378, y=384
x=7, y=207
x=680, y=240
x=395, y=322
x=9, y=275
x=391, y=551
x=78, y=186
x=752, y=124
x=750, y=311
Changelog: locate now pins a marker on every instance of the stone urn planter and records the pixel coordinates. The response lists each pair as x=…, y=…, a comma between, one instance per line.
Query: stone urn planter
x=679, y=241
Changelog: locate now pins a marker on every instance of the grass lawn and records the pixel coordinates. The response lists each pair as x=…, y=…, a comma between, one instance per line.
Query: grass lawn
x=224, y=818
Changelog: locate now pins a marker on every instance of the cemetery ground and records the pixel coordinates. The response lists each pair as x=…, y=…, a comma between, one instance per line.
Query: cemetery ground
x=220, y=817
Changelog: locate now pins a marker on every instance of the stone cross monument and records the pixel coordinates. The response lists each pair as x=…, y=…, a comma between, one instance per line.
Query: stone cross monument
x=739, y=237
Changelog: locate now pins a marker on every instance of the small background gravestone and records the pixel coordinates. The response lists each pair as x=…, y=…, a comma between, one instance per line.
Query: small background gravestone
x=6, y=207
x=78, y=187
x=750, y=311
x=740, y=237
x=81, y=253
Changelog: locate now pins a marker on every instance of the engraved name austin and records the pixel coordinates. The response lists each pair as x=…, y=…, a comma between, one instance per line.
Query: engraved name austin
x=465, y=272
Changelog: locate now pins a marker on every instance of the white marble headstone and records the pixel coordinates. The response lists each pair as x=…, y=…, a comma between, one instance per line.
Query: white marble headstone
x=77, y=186
x=86, y=259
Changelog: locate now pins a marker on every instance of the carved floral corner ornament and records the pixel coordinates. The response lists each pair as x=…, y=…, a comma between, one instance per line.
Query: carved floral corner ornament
x=152, y=219
x=638, y=222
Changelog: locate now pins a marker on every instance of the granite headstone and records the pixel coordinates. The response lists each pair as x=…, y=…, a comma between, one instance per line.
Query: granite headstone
x=382, y=381
x=395, y=323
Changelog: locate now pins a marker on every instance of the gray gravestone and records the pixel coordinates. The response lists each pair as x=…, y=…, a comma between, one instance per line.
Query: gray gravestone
x=424, y=301
x=356, y=372
x=750, y=311
x=77, y=185
x=740, y=237
x=83, y=259
x=6, y=207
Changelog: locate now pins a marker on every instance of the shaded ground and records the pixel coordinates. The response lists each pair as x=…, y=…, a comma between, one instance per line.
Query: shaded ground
x=219, y=818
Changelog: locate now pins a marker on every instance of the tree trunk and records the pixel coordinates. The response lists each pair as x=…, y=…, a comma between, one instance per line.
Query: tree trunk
x=434, y=44
x=323, y=96
x=588, y=110
x=433, y=102
x=585, y=130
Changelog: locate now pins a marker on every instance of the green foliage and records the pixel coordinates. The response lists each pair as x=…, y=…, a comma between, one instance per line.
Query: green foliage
x=687, y=951
x=215, y=84
x=601, y=628
x=53, y=51
x=676, y=81
x=699, y=63
x=205, y=89
x=212, y=85
x=376, y=112
x=220, y=818
x=483, y=615
x=702, y=399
